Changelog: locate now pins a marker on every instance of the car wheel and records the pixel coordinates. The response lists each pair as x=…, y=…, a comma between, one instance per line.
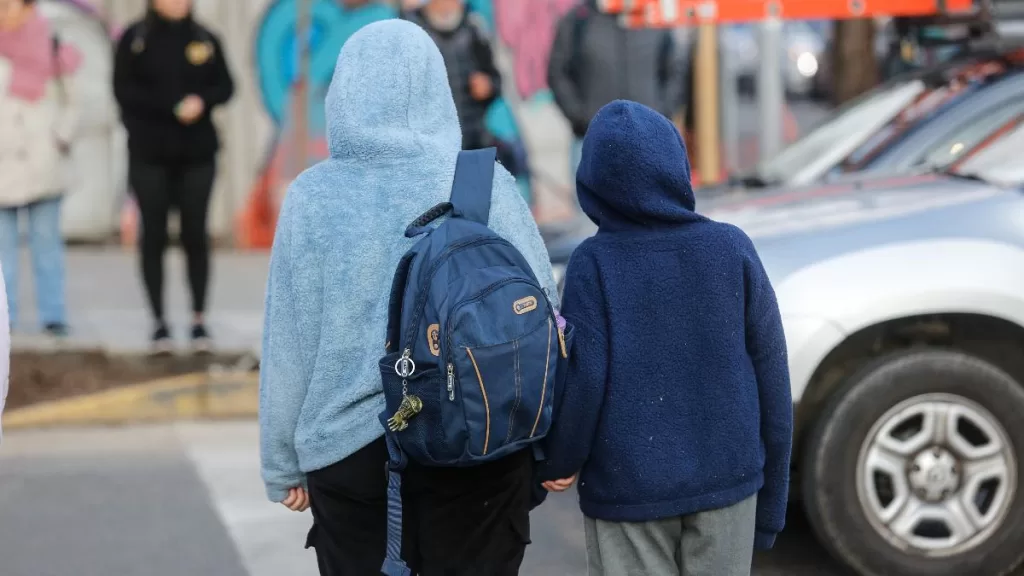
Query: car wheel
x=913, y=470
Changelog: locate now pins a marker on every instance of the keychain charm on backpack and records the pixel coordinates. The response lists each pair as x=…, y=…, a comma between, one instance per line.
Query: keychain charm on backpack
x=411, y=405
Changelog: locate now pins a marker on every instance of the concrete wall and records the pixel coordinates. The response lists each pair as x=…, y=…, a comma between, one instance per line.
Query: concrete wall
x=257, y=127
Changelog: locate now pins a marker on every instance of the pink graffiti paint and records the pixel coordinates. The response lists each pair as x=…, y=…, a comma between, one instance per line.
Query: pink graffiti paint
x=527, y=27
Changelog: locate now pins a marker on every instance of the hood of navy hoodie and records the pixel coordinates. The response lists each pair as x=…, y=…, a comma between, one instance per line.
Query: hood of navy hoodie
x=394, y=138
x=635, y=173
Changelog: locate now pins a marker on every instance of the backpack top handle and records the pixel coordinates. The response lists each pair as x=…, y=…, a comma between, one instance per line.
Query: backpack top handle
x=471, y=192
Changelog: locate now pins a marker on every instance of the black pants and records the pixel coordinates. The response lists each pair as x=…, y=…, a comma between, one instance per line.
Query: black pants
x=456, y=521
x=157, y=189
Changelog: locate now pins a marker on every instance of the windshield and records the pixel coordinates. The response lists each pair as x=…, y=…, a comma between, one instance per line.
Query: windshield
x=999, y=162
x=846, y=129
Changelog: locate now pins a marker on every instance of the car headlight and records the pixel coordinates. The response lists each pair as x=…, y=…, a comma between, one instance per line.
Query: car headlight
x=807, y=64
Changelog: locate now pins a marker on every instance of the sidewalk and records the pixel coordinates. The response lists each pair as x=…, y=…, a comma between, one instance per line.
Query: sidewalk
x=107, y=307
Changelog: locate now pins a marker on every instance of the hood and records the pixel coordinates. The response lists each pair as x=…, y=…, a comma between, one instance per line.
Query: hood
x=634, y=170
x=389, y=97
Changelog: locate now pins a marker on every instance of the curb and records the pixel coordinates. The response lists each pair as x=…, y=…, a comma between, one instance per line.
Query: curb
x=192, y=396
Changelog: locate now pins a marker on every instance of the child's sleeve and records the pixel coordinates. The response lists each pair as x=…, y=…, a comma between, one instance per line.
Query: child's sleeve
x=578, y=401
x=285, y=369
x=766, y=344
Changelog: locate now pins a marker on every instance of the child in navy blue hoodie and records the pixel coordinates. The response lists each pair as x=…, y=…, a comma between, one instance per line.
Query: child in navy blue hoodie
x=676, y=411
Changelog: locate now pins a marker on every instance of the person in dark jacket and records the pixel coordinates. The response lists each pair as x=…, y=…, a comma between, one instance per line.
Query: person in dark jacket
x=169, y=75
x=676, y=410
x=465, y=46
x=595, y=60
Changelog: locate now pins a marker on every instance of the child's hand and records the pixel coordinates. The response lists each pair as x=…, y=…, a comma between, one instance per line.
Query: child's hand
x=559, y=485
x=297, y=500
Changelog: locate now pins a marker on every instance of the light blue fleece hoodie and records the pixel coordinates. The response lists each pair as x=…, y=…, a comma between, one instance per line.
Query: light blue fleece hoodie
x=393, y=135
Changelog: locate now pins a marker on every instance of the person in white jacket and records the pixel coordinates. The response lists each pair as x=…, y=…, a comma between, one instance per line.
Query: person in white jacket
x=38, y=121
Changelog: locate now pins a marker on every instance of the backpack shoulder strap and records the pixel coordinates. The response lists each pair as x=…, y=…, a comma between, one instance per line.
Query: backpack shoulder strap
x=471, y=190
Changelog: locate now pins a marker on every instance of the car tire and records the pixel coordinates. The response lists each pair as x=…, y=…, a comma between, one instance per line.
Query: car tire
x=843, y=489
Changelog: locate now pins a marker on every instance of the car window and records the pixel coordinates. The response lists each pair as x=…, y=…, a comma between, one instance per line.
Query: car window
x=971, y=134
x=901, y=124
x=849, y=126
x=999, y=161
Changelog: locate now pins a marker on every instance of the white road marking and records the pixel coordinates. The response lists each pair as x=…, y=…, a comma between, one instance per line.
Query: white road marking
x=268, y=537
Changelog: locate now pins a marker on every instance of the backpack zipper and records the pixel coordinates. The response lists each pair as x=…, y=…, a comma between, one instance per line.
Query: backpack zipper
x=451, y=382
x=479, y=296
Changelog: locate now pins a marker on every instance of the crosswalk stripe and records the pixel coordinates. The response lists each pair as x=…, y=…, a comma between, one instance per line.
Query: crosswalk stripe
x=268, y=537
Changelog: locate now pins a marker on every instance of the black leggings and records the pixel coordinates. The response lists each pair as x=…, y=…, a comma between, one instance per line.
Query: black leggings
x=157, y=188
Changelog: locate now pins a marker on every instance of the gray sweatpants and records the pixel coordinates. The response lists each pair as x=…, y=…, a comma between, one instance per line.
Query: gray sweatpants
x=713, y=543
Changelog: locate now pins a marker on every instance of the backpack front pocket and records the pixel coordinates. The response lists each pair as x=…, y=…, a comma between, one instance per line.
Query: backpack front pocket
x=506, y=389
x=423, y=429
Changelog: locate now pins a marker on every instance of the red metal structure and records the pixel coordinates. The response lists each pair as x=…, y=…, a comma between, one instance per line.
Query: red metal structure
x=668, y=13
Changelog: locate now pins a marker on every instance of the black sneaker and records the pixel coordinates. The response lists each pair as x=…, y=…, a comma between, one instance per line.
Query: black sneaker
x=201, y=342
x=56, y=330
x=161, y=341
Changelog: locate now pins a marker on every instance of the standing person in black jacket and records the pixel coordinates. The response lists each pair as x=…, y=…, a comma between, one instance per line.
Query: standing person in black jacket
x=465, y=45
x=595, y=59
x=169, y=74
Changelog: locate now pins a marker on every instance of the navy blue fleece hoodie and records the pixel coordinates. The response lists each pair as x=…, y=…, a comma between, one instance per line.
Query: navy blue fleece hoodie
x=677, y=398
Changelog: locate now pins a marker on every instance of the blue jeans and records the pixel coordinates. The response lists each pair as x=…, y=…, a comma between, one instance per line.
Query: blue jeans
x=47, y=247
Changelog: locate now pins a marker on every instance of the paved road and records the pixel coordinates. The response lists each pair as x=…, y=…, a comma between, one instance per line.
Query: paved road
x=107, y=307
x=186, y=500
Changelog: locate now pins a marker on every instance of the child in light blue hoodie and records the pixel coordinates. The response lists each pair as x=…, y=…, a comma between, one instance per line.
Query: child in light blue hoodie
x=393, y=135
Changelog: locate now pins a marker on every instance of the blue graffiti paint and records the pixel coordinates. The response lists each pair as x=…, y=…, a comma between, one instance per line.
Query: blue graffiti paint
x=277, y=47
x=276, y=55
x=485, y=8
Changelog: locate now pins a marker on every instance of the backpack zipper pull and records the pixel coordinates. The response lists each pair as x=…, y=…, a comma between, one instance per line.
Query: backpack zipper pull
x=405, y=366
x=451, y=383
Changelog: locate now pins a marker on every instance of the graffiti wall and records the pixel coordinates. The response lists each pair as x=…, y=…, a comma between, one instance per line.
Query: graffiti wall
x=259, y=127
x=523, y=28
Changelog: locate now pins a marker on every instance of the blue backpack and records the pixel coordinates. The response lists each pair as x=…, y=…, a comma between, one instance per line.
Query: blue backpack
x=473, y=346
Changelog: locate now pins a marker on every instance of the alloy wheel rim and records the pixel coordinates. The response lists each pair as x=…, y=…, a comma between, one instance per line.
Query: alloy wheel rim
x=936, y=474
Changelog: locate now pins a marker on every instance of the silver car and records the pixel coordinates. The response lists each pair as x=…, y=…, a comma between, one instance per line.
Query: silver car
x=903, y=304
